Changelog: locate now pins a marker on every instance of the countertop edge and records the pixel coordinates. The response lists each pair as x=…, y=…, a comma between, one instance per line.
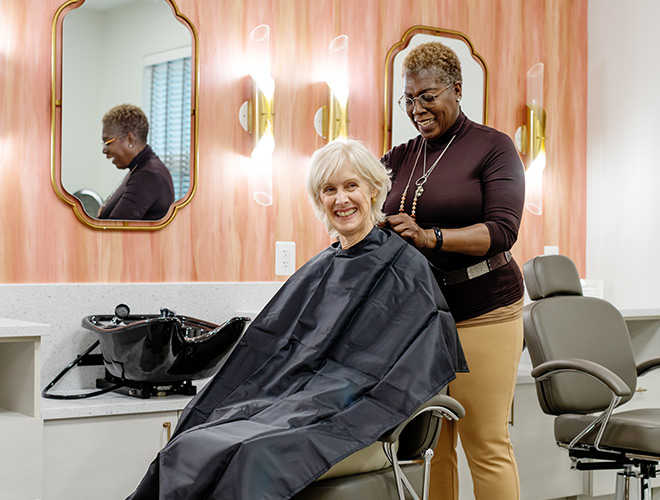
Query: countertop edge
x=109, y=405
x=14, y=328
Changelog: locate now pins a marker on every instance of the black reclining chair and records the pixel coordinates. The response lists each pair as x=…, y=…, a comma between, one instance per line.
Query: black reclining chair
x=584, y=368
x=409, y=447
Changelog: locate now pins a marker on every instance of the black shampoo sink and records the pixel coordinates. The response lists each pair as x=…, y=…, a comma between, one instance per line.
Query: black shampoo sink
x=165, y=348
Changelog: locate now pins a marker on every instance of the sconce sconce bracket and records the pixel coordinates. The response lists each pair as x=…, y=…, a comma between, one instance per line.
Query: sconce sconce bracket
x=256, y=114
x=245, y=116
x=331, y=121
x=321, y=121
x=530, y=138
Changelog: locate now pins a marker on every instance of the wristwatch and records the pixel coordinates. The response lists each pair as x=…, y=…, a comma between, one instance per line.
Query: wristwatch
x=438, y=237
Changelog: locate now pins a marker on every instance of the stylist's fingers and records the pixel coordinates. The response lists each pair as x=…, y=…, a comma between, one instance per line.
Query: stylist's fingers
x=400, y=222
x=407, y=228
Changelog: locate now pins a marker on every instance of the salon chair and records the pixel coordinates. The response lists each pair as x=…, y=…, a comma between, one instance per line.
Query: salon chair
x=584, y=369
x=90, y=200
x=409, y=448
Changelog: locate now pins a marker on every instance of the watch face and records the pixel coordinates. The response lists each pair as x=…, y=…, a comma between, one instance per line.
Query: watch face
x=438, y=236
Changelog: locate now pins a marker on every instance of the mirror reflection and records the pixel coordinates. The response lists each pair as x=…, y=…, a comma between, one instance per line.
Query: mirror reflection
x=399, y=128
x=126, y=108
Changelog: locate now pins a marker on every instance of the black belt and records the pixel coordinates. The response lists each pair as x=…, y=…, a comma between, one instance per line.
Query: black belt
x=479, y=269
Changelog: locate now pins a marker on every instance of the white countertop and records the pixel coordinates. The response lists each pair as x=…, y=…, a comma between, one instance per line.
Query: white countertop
x=108, y=404
x=113, y=403
x=119, y=404
x=17, y=328
x=640, y=314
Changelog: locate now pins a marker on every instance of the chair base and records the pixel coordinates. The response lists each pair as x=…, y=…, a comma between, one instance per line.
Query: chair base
x=632, y=480
x=378, y=485
x=632, y=485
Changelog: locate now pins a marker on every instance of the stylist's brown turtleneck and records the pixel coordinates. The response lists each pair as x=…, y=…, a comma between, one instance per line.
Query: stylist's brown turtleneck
x=480, y=178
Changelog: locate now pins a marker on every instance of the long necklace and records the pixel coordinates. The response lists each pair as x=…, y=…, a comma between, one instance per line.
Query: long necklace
x=422, y=180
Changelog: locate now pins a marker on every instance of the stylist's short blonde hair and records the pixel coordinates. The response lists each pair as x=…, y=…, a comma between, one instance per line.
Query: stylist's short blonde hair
x=435, y=57
x=327, y=160
x=127, y=118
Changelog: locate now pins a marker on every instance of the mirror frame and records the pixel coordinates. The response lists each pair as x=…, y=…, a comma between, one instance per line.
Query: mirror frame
x=389, y=68
x=56, y=128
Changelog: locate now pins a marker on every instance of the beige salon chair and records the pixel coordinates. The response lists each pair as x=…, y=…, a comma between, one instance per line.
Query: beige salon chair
x=409, y=448
x=584, y=368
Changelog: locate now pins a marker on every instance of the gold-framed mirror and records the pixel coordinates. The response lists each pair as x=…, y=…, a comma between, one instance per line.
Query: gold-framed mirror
x=474, y=104
x=107, y=53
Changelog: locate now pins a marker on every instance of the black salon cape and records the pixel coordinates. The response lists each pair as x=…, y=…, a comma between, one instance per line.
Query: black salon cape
x=347, y=349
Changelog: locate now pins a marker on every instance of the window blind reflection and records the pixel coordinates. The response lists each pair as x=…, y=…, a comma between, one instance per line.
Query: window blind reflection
x=169, y=104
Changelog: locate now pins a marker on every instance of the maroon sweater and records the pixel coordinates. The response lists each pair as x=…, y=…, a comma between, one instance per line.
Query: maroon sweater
x=146, y=192
x=480, y=178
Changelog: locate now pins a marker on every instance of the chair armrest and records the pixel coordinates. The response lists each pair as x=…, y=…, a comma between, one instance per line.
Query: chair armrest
x=440, y=403
x=605, y=375
x=647, y=366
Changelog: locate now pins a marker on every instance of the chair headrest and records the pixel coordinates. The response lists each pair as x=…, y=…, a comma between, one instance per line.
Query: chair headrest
x=549, y=275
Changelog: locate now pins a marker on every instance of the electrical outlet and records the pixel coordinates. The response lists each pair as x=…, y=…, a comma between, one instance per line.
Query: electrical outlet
x=285, y=258
x=550, y=250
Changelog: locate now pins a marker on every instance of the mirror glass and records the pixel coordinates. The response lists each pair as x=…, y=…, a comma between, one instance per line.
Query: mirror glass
x=113, y=52
x=398, y=128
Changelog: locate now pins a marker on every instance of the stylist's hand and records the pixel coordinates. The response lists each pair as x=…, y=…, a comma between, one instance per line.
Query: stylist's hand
x=407, y=228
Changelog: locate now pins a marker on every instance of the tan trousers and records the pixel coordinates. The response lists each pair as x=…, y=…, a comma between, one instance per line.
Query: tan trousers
x=492, y=344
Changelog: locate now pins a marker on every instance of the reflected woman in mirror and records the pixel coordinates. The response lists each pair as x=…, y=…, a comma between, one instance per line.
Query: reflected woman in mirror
x=457, y=195
x=147, y=191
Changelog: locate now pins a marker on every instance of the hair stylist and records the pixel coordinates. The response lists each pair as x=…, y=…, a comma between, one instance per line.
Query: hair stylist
x=457, y=195
x=147, y=190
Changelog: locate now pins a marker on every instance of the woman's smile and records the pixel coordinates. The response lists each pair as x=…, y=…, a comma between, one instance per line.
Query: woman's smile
x=346, y=199
x=425, y=124
x=346, y=213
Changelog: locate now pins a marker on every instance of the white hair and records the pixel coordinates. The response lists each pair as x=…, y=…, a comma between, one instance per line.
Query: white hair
x=330, y=158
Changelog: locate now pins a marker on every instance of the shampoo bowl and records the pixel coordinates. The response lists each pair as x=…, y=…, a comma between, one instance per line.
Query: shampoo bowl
x=165, y=348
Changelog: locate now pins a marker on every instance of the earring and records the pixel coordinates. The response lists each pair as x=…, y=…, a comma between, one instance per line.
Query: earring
x=130, y=145
x=458, y=99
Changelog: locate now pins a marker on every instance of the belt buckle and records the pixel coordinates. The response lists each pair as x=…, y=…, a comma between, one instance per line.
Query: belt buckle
x=477, y=270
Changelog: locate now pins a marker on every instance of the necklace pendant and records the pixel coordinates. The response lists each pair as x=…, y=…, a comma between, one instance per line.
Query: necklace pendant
x=419, y=191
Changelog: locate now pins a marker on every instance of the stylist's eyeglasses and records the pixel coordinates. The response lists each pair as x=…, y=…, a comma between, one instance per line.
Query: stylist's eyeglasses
x=427, y=100
x=110, y=141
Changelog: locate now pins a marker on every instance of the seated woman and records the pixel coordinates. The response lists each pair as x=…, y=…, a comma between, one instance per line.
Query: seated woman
x=347, y=349
x=147, y=191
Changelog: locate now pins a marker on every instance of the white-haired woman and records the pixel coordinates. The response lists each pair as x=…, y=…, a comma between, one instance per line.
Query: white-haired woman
x=348, y=348
x=347, y=186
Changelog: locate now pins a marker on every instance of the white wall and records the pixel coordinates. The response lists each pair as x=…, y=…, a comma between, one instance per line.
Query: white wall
x=623, y=169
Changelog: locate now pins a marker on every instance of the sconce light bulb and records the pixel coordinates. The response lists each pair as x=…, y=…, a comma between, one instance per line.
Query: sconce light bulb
x=266, y=85
x=260, y=54
x=338, y=69
x=265, y=146
x=340, y=92
x=538, y=164
x=541, y=159
x=534, y=185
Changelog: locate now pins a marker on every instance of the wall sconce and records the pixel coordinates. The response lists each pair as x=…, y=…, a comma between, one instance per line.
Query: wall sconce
x=530, y=139
x=331, y=121
x=256, y=115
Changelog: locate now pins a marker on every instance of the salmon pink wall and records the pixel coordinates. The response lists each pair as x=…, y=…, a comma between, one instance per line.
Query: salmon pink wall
x=223, y=235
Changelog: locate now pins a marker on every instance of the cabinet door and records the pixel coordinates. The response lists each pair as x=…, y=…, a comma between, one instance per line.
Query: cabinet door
x=101, y=457
x=21, y=440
